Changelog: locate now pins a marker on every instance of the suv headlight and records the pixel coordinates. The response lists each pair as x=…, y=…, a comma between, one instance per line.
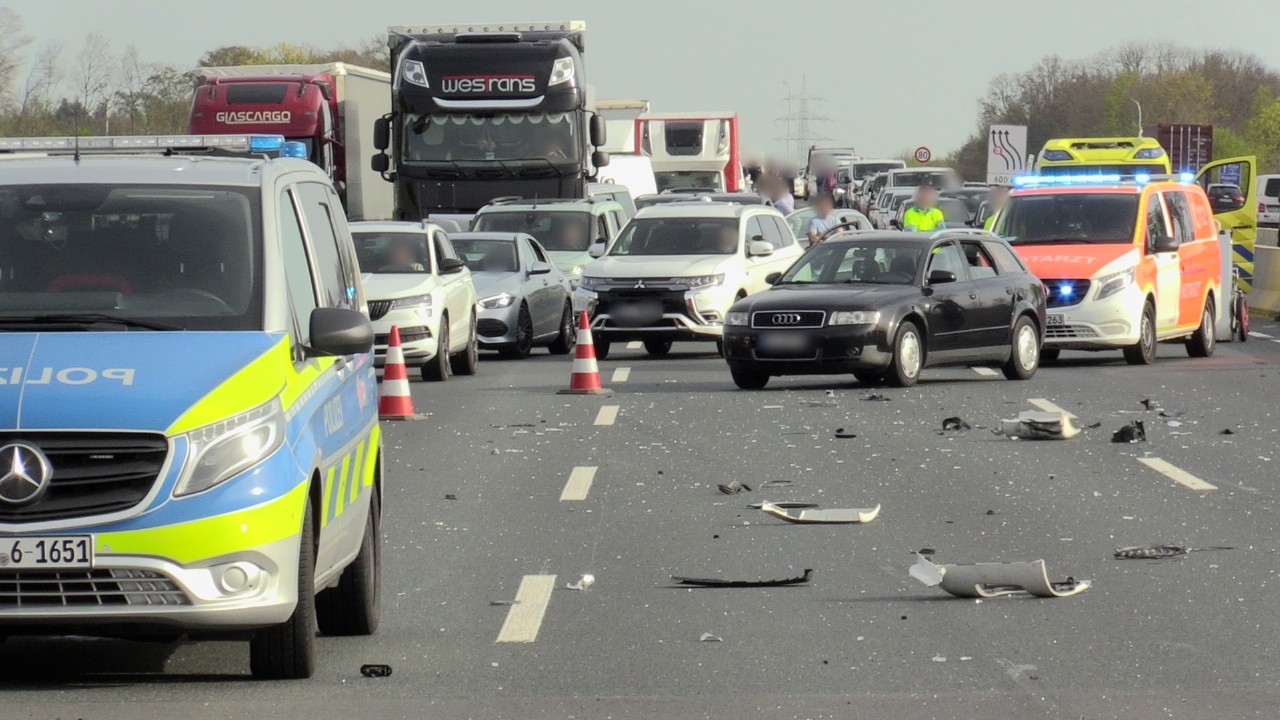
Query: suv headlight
x=1114, y=283
x=411, y=301
x=561, y=72
x=413, y=72
x=736, y=318
x=219, y=452
x=494, y=302
x=703, y=281
x=854, y=317
x=591, y=283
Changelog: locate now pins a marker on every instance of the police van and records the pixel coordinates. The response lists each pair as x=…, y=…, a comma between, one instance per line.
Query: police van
x=188, y=410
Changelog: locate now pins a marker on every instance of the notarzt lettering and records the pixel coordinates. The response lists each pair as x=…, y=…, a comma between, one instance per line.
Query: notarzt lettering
x=250, y=117
x=488, y=84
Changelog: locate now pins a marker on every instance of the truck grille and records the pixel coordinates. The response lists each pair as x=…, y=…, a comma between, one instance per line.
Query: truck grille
x=93, y=473
x=1075, y=292
x=95, y=588
x=379, y=308
x=788, y=319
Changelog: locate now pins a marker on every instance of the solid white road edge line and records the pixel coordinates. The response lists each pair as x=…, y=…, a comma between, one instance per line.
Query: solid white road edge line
x=525, y=616
x=579, y=483
x=1177, y=474
x=607, y=415
x=1047, y=406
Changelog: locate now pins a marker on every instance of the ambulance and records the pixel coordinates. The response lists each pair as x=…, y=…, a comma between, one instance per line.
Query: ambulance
x=1127, y=262
x=189, y=440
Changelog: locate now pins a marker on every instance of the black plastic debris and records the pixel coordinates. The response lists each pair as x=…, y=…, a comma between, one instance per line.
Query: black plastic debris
x=786, y=504
x=501, y=603
x=450, y=497
x=1150, y=404
x=926, y=551
x=375, y=671
x=1159, y=552
x=1228, y=431
x=955, y=423
x=722, y=582
x=1094, y=426
x=992, y=512
x=844, y=434
x=733, y=488
x=1131, y=433
x=1167, y=414
x=876, y=397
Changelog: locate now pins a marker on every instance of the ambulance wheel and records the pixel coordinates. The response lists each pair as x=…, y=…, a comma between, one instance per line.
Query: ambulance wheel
x=1203, y=341
x=437, y=368
x=352, y=607
x=287, y=651
x=1143, y=352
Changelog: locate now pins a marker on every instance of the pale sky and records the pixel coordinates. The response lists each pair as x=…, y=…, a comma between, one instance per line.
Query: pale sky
x=894, y=74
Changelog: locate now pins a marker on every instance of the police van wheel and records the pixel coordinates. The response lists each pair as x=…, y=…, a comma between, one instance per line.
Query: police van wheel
x=287, y=651
x=465, y=362
x=437, y=368
x=352, y=607
x=1203, y=341
x=1143, y=352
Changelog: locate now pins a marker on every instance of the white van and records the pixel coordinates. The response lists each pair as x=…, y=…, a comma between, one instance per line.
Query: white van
x=633, y=171
x=1269, y=201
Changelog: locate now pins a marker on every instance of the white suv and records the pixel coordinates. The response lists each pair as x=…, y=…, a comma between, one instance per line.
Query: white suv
x=677, y=267
x=415, y=281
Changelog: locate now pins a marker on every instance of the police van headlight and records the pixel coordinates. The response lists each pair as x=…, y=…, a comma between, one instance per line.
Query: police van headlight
x=222, y=450
x=1114, y=283
x=561, y=72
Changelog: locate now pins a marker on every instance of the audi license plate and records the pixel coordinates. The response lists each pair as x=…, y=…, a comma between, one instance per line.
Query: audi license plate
x=1055, y=319
x=783, y=342
x=55, y=552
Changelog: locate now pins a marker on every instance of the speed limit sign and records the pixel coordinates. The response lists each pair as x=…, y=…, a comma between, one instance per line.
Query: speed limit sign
x=923, y=155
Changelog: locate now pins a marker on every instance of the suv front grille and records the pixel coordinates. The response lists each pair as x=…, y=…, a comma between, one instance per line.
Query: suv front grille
x=93, y=473
x=788, y=319
x=1063, y=293
x=93, y=588
x=379, y=308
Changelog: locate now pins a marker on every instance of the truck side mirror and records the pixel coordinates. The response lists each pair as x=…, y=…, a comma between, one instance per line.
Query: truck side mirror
x=380, y=163
x=597, y=130
x=599, y=158
x=382, y=133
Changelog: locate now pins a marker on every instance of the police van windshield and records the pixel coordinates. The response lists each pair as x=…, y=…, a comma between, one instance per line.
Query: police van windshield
x=1069, y=218
x=179, y=257
x=493, y=137
x=556, y=231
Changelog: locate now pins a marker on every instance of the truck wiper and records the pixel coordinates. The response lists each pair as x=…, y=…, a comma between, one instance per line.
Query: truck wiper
x=83, y=320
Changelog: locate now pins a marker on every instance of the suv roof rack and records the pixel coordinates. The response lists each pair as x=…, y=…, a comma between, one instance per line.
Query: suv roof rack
x=148, y=144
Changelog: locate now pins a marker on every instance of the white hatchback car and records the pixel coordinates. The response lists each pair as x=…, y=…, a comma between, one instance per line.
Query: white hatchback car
x=415, y=281
x=677, y=267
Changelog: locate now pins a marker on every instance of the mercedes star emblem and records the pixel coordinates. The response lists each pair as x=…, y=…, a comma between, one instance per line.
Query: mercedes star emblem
x=24, y=474
x=786, y=319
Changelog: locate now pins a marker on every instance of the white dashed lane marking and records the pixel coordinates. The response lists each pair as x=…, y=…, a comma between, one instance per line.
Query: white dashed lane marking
x=1177, y=474
x=621, y=374
x=607, y=415
x=1047, y=406
x=579, y=483
x=525, y=616
x=1255, y=333
x=985, y=371
x=635, y=345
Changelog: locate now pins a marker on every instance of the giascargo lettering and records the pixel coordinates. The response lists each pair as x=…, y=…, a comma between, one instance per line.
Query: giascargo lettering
x=250, y=117
x=64, y=376
x=488, y=84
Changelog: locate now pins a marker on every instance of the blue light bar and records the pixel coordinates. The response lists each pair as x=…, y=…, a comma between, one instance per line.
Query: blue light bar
x=1095, y=179
x=1187, y=178
x=1142, y=178
x=294, y=149
x=266, y=143
x=1065, y=290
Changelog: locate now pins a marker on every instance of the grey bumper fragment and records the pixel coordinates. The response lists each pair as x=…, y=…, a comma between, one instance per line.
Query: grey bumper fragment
x=834, y=515
x=991, y=580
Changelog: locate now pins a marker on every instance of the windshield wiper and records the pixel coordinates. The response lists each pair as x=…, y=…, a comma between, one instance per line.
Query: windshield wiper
x=83, y=320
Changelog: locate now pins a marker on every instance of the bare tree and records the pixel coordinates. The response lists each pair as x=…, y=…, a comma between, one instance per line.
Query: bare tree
x=12, y=43
x=93, y=76
x=42, y=79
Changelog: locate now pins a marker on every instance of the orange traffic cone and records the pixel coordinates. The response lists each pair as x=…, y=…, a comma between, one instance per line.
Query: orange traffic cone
x=586, y=375
x=394, y=400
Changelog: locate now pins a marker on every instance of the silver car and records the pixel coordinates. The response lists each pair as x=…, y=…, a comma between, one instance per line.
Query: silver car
x=522, y=298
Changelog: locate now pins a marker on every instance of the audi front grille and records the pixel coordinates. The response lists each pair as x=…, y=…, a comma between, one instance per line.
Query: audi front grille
x=788, y=319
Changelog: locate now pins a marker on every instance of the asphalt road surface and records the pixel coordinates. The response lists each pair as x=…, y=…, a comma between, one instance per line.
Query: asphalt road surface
x=483, y=509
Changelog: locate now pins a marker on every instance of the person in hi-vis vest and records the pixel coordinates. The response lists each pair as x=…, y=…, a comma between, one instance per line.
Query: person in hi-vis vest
x=924, y=216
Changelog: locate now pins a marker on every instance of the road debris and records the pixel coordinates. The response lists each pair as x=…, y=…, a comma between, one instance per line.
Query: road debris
x=777, y=483
x=926, y=551
x=495, y=451
x=1228, y=431
x=845, y=434
x=939, y=658
x=955, y=423
x=1038, y=425
x=1160, y=552
x=785, y=504
x=708, y=637
x=831, y=393
x=375, y=671
x=1150, y=404
x=876, y=397
x=733, y=488
x=1131, y=433
x=721, y=582
x=584, y=583
x=818, y=403
x=450, y=497
x=845, y=516
x=990, y=580
x=502, y=603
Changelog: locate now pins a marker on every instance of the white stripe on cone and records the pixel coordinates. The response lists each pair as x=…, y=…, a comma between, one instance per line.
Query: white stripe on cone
x=582, y=366
x=395, y=388
x=395, y=355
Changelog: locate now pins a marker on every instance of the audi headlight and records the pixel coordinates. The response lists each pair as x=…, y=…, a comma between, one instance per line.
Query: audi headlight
x=411, y=301
x=1114, y=283
x=736, y=318
x=413, y=72
x=854, y=317
x=561, y=72
x=494, y=302
x=219, y=452
x=703, y=281
x=591, y=283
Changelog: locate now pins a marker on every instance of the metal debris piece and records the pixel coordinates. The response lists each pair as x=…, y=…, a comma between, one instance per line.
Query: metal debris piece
x=876, y=397
x=584, y=583
x=785, y=504
x=1037, y=425
x=831, y=393
x=1131, y=433
x=834, y=515
x=989, y=580
x=733, y=488
x=708, y=637
x=375, y=671
x=818, y=403
x=777, y=483
x=1150, y=404
x=845, y=434
x=955, y=423
x=721, y=582
x=1159, y=552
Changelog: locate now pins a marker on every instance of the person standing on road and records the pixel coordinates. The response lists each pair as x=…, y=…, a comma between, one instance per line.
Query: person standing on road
x=780, y=194
x=825, y=219
x=998, y=197
x=924, y=216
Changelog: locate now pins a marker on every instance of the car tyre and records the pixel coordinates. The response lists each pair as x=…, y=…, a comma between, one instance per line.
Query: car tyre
x=568, y=337
x=437, y=368
x=658, y=348
x=1049, y=355
x=602, y=349
x=908, y=356
x=465, y=362
x=287, y=651
x=1024, y=355
x=523, y=345
x=1203, y=341
x=352, y=608
x=869, y=377
x=1143, y=352
x=749, y=379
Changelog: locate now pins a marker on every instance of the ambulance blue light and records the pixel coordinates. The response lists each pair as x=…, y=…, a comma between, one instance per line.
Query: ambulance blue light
x=1065, y=290
x=1187, y=177
x=294, y=149
x=1142, y=178
x=266, y=143
x=1088, y=179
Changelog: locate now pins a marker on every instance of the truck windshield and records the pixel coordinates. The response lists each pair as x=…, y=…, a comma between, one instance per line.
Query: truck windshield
x=498, y=137
x=179, y=257
x=557, y=231
x=1071, y=218
x=862, y=170
x=392, y=252
x=700, y=179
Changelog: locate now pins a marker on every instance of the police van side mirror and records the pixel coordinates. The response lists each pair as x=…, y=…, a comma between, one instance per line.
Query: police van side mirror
x=382, y=133
x=338, y=331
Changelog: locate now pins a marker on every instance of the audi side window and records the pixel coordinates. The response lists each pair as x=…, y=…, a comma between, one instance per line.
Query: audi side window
x=1006, y=261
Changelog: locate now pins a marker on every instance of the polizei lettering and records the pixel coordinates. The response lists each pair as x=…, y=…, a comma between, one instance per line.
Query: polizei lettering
x=251, y=117
x=487, y=84
x=64, y=376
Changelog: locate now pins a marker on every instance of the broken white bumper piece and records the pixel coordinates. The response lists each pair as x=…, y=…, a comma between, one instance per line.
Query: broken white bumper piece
x=845, y=516
x=1036, y=425
x=991, y=580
